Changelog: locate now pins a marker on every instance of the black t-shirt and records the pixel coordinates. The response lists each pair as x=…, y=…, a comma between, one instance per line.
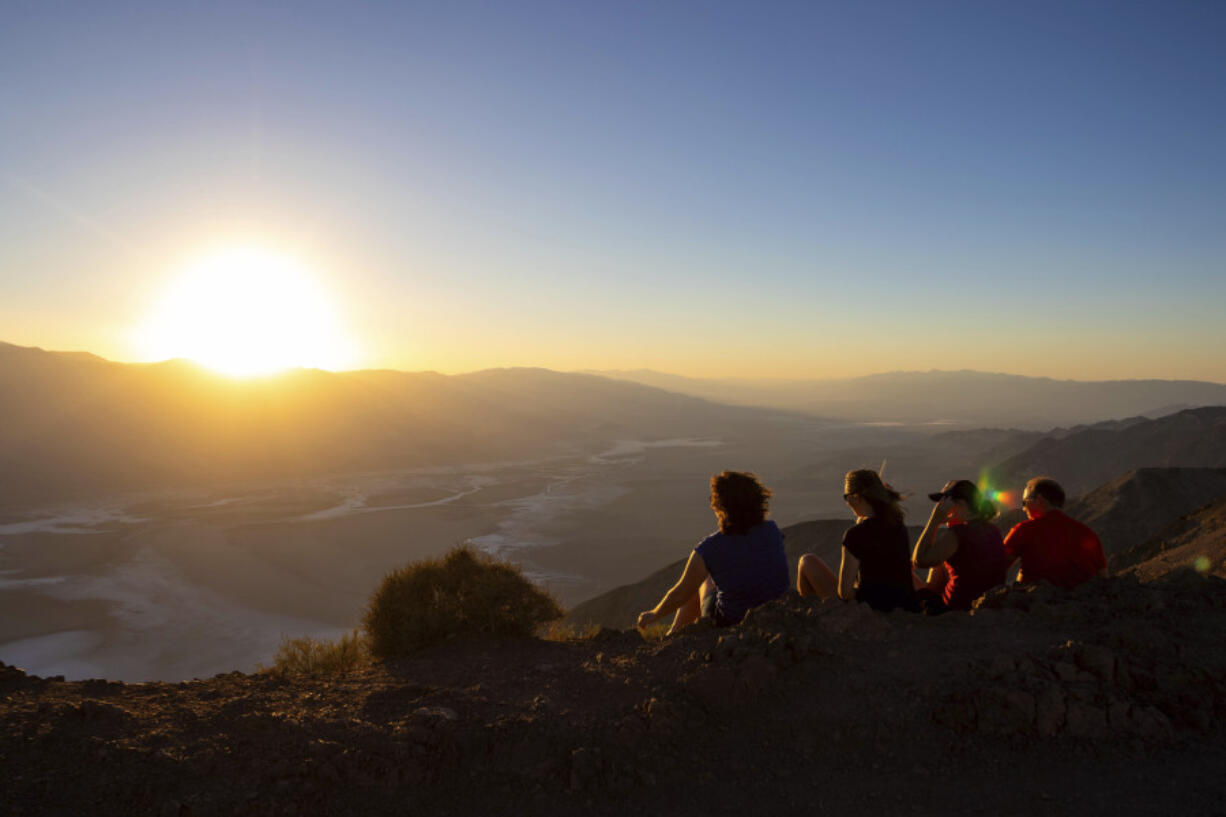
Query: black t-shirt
x=883, y=549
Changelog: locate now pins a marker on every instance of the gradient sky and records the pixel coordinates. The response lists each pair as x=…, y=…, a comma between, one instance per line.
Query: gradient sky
x=714, y=189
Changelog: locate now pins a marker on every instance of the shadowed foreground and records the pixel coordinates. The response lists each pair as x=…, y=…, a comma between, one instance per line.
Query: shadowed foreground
x=1106, y=700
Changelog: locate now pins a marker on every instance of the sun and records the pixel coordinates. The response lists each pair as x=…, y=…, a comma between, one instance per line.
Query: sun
x=246, y=312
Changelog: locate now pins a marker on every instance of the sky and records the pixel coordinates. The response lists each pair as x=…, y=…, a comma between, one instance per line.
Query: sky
x=714, y=189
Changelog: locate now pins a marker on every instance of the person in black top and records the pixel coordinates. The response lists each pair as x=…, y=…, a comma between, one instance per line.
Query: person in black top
x=876, y=551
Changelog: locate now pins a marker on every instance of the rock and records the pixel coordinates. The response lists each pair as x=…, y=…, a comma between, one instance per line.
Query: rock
x=586, y=767
x=1098, y=661
x=1085, y=720
x=956, y=712
x=1065, y=671
x=1117, y=715
x=440, y=712
x=1050, y=710
x=96, y=710
x=755, y=675
x=714, y=686
x=857, y=620
x=1149, y=722
x=1000, y=666
x=1004, y=711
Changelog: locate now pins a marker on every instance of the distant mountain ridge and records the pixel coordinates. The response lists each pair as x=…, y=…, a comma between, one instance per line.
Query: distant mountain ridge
x=1090, y=457
x=73, y=424
x=960, y=397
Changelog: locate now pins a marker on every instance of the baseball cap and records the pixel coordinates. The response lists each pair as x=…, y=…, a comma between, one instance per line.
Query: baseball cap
x=962, y=489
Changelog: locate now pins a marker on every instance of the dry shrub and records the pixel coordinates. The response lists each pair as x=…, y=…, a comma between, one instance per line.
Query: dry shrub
x=465, y=593
x=308, y=656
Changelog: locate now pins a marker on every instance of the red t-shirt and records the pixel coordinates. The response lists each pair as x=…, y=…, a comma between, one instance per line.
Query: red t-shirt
x=1056, y=548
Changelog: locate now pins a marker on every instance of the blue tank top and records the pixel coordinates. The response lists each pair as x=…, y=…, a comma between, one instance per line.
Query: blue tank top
x=748, y=568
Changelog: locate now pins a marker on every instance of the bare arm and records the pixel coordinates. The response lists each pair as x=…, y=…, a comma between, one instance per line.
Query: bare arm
x=691, y=580
x=849, y=568
x=936, y=544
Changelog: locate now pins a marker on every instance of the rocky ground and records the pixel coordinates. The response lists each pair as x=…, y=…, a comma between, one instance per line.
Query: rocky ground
x=1106, y=700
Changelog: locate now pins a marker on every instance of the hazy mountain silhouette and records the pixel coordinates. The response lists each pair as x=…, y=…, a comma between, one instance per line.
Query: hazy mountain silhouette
x=1084, y=459
x=963, y=397
x=74, y=424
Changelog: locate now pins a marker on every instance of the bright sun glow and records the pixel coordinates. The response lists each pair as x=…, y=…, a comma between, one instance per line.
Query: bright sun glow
x=247, y=312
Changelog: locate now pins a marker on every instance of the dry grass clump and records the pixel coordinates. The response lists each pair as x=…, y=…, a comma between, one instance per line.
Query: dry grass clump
x=558, y=631
x=309, y=656
x=655, y=632
x=465, y=593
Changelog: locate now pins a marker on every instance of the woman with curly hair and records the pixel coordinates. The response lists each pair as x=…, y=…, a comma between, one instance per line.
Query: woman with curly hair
x=876, y=560
x=737, y=568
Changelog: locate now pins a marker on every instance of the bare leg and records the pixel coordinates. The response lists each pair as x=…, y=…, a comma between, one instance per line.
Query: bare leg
x=815, y=578
x=689, y=612
x=937, y=577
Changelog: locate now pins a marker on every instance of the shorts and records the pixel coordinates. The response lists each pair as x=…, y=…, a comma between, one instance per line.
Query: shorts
x=710, y=611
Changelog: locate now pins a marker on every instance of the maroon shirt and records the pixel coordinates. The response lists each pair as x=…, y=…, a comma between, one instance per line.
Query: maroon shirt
x=977, y=566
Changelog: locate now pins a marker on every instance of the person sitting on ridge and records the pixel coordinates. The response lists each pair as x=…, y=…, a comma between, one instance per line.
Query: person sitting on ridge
x=1052, y=545
x=967, y=556
x=729, y=572
x=876, y=550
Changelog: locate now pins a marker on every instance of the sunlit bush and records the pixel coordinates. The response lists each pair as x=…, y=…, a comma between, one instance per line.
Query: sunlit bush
x=309, y=656
x=463, y=594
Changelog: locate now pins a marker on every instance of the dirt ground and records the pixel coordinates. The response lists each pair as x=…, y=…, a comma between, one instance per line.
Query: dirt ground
x=1106, y=700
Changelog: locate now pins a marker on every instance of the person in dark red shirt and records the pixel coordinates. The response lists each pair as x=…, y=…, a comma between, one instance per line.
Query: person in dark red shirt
x=961, y=546
x=1051, y=545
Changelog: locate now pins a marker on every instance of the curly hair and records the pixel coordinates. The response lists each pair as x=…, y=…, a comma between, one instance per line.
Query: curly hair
x=739, y=500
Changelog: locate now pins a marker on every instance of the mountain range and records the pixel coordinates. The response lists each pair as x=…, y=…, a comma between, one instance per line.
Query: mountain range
x=1086, y=458
x=965, y=397
x=75, y=425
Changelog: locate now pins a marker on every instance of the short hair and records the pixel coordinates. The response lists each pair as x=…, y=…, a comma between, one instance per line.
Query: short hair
x=1049, y=489
x=739, y=501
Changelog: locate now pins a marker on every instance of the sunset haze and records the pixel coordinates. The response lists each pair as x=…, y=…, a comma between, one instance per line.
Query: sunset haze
x=885, y=186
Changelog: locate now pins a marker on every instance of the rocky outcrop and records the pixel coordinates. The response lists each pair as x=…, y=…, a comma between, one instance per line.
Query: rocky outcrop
x=1034, y=682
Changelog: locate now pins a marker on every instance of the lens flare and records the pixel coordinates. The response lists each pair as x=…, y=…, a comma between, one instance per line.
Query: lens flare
x=1202, y=564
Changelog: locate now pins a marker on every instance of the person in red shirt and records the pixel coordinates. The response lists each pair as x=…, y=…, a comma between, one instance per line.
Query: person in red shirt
x=1051, y=545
